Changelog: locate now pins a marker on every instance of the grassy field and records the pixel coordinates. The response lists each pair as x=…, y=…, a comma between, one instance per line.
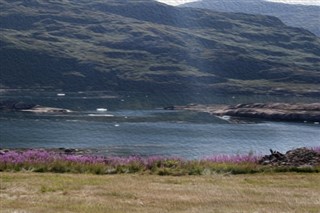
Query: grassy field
x=47, y=192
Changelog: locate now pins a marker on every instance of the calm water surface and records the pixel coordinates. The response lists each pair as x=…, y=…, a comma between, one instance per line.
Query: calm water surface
x=135, y=124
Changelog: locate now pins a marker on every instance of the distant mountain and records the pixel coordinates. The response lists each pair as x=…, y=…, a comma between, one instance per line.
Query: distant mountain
x=141, y=45
x=305, y=16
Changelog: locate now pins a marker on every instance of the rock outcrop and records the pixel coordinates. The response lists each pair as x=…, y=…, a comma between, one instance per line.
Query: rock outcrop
x=42, y=109
x=15, y=105
x=25, y=107
x=294, y=158
x=268, y=111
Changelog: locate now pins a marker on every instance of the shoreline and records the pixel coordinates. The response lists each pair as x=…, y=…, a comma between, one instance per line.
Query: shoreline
x=297, y=112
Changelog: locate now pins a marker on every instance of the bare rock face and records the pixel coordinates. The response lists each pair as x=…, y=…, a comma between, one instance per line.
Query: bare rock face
x=295, y=158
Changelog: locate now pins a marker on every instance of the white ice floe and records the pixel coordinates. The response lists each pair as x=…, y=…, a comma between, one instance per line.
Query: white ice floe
x=100, y=115
x=102, y=109
x=225, y=117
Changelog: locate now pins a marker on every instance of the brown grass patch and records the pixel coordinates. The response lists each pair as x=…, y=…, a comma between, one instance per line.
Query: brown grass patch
x=32, y=192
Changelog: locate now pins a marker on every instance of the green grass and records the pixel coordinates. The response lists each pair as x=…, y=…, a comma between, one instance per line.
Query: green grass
x=162, y=169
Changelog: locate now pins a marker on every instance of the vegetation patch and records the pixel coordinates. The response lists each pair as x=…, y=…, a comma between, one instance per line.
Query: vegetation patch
x=40, y=160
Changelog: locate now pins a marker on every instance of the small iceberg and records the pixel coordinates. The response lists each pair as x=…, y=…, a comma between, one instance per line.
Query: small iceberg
x=225, y=117
x=102, y=109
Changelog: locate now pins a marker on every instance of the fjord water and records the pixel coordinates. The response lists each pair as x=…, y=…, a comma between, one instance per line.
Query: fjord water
x=136, y=124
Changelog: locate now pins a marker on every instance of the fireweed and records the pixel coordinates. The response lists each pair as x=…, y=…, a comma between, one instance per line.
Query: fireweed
x=40, y=160
x=317, y=149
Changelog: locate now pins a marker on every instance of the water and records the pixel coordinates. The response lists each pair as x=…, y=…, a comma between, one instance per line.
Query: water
x=135, y=124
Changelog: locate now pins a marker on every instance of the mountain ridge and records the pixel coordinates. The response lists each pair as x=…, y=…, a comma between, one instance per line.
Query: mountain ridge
x=149, y=46
x=302, y=16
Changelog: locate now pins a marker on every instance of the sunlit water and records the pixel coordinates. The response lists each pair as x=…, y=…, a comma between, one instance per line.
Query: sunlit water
x=135, y=124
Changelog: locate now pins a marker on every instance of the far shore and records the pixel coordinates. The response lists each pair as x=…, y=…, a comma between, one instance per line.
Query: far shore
x=293, y=112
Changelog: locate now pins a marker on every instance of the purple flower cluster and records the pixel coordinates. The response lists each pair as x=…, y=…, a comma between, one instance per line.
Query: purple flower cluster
x=122, y=161
x=40, y=160
x=30, y=156
x=43, y=156
x=233, y=158
x=316, y=149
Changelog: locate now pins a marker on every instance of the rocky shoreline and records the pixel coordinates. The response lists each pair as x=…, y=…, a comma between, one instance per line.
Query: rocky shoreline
x=67, y=151
x=301, y=157
x=19, y=106
x=268, y=111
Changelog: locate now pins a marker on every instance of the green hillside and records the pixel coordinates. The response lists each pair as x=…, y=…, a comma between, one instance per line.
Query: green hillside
x=141, y=45
x=297, y=15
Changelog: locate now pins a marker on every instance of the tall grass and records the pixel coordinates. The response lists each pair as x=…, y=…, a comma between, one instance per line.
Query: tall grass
x=40, y=160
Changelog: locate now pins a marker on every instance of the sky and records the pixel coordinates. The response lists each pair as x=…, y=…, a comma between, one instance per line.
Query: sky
x=310, y=2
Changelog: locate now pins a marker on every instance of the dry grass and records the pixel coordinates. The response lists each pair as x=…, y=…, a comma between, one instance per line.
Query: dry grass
x=34, y=192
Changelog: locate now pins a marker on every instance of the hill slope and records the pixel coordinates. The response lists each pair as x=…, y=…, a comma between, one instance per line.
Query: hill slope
x=304, y=16
x=147, y=46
